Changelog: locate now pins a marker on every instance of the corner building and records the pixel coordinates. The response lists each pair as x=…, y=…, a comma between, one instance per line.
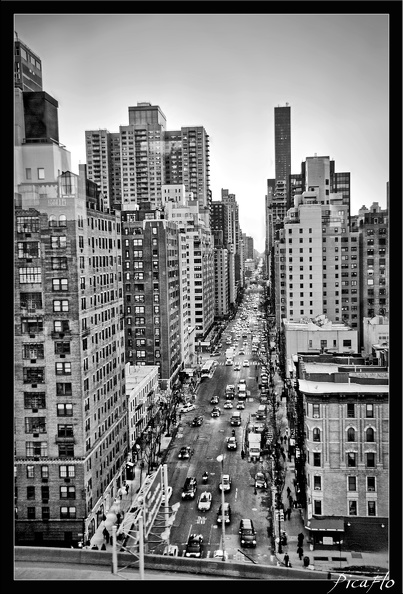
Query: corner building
x=70, y=405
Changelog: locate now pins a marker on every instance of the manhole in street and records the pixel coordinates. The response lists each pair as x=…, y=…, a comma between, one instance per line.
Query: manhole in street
x=356, y=555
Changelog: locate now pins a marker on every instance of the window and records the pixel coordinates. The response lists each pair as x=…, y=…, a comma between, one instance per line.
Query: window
x=35, y=424
x=317, y=507
x=62, y=347
x=67, y=512
x=350, y=411
x=369, y=434
x=351, y=459
x=61, y=326
x=32, y=274
x=370, y=459
x=64, y=389
x=31, y=513
x=30, y=471
x=63, y=368
x=65, y=431
x=316, y=459
x=66, y=450
x=67, y=471
x=316, y=411
x=59, y=263
x=41, y=173
x=369, y=411
x=316, y=434
x=30, y=492
x=33, y=351
x=59, y=242
x=370, y=483
x=352, y=483
x=67, y=492
x=45, y=513
x=45, y=493
x=317, y=483
x=60, y=284
x=60, y=305
x=33, y=375
x=350, y=434
x=371, y=508
x=45, y=471
x=64, y=410
x=352, y=507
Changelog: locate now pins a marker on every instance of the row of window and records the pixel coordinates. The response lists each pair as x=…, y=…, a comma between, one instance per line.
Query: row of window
x=352, y=507
x=351, y=483
x=351, y=407
x=351, y=434
x=65, y=471
x=65, y=492
x=40, y=449
x=351, y=459
x=38, y=425
x=65, y=513
x=36, y=375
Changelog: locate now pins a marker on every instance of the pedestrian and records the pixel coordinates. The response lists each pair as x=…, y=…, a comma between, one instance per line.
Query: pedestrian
x=281, y=439
x=242, y=454
x=106, y=535
x=300, y=552
x=288, y=492
x=286, y=559
x=300, y=539
x=127, y=488
x=285, y=439
x=111, y=540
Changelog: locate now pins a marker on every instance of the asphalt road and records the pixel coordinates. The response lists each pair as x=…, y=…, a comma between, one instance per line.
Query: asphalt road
x=208, y=442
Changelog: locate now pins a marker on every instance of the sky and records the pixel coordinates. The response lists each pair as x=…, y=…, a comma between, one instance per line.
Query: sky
x=227, y=72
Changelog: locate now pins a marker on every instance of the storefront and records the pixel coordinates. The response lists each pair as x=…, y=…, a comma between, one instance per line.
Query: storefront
x=326, y=532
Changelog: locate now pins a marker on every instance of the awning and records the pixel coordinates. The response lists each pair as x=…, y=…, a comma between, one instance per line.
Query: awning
x=328, y=524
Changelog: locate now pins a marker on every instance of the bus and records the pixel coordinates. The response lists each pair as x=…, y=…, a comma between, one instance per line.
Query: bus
x=208, y=369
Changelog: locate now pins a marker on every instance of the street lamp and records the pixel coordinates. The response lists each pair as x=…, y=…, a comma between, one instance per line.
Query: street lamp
x=220, y=458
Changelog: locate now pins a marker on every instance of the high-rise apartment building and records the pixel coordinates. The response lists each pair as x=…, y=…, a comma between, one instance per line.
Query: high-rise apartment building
x=70, y=406
x=27, y=67
x=282, y=143
x=151, y=271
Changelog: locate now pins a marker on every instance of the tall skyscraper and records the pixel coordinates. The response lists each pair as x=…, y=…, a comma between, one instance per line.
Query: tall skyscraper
x=282, y=142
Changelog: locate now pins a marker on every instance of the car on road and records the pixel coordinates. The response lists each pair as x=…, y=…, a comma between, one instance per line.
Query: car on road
x=185, y=453
x=240, y=405
x=226, y=483
x=219, y=554
x=237, y=367
x=228, y=404
x=229, y=389
x=246, y=363
x=216, y=412
x=232, y=443
x=260, y=481
x=247, y=533
x=241, y=352
x=227, y=513
x=204, y=501
x=187, y=407
x=215, y=353
x=189, y=488
x=198, y=421
x=194, y=547
x=215, y=399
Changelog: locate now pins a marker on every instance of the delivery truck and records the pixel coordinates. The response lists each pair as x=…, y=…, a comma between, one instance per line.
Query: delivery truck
x=254, y=446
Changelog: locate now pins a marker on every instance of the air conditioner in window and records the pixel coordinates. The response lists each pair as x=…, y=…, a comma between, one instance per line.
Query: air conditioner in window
x=45, y=480
x=32, y=336
x=66, y=480
x=316, y=416
x=32, y=361
x=34, y=410
x=34, y=385
x=62, y=356
x=35, y=435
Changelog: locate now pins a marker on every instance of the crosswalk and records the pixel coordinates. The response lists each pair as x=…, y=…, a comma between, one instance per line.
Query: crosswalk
x=251, y=363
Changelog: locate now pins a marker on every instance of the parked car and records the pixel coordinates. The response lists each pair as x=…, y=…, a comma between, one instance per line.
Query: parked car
x=187, y=407
x=185, y=453
x=198, y=421
x=215, y=400
x=242, y=382
x=204, y=502
x=171, y=551
x=194, y=547
x=228, y=404
x=216, y=412
x=226, y=483
x=260, y=481
x=246, y=363
x=231, y=443
x=227, y=514
x=240, y=405
x=247, y=533
x=189, y=488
